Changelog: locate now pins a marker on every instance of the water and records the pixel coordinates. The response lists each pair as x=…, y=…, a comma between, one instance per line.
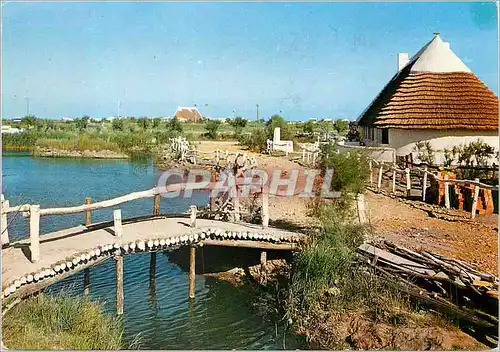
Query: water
x=221, y=317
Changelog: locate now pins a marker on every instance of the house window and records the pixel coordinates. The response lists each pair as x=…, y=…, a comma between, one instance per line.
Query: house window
x=385, y=136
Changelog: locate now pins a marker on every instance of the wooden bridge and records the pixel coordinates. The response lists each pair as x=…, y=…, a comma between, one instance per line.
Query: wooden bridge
x=37, y=262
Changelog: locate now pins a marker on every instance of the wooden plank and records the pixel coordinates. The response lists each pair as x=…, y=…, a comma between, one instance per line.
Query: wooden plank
x=251, y=244
x=397, y=260
x=117, y=223
x=380, y=172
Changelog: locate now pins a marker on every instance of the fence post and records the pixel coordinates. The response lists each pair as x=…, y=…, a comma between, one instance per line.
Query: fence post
x=4, y=224
x=35, y=233
x=119, y=284
x=265, y=208
x=446, y=192
x=371, y=172
x=192, y=270
x=408, y=182
x=380, y=172
x=193, y=215
x=360, y=202
x=394, y=179
x=475, y=200
x=117, y=220
x=424, y=184
x=88, y=220
x=156, y=205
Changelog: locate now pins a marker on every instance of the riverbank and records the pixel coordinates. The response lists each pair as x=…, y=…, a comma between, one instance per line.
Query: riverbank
x=94, y=154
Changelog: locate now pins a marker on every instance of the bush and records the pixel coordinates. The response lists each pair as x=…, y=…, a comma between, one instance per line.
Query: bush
x=212, y=127
x=174, y=125
x=278, y=121
x=350, y=170
x=60, y=322
x=238, y=123
x=256, y=141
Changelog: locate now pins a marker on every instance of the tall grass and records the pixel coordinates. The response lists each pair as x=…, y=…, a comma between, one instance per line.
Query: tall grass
x=60, y=322
x=80, y=143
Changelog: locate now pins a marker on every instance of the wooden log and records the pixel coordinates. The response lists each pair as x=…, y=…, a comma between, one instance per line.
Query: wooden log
x=446, y=192
x=4, y=224
x=192, y=217
x=88, y=220
x=265, y=209
x=380, y=172
x=35, y=233
x=117, y=221
x=119, y=284
x=86, y=283
x=408, y=182
x=156, y=205
x=475, y=200
x=192, y=270
x=424, y=184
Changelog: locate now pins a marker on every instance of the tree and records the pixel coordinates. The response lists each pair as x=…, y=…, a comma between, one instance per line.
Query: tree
x=342, y=127
x=308, y=127
x=174, y=125
x=143, y=122
x=238, y=123
x=212, y=127
x=28, y=121
x=278, y=121
x=117, y=124
x=81, y=124
x=156, y=122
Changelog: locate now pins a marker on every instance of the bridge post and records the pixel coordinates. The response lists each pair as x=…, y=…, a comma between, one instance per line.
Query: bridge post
x=192, y=270
x=156, y=205
x=86, y=282
x=152, y=266
x=117, y=218
x=265, y=208
x=193, y=215
x=119, y=284
x=4, y=224
x=35, y=233
x=88, y=200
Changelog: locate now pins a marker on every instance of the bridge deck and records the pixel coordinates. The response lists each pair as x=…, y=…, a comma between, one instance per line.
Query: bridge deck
x=58, y=246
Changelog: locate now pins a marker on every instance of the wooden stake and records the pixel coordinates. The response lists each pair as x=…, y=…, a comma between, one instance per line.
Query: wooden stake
x=117, y=218
x=424, y=184
x=394, y=179
x=156, y=205
x=152, y=266
x=88, y=200
x=408, y=182
x=475, y=200
x=193, y=215
x=265, y=208
x=446, y=192
x=119, y=284
x=380, y=172
x=360, y=203
x=4, y=224
x=35, y=233
x=192, y=270
x=371, y=172
x=86, y=282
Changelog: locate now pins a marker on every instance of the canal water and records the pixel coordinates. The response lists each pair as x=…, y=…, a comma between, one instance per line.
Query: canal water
x=158, y=312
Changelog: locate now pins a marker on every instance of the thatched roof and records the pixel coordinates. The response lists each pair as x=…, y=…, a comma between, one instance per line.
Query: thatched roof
x=190, y=114
x=435, y=90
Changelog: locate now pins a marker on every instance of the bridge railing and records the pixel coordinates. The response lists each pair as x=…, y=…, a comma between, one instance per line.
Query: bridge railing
x=34, y=212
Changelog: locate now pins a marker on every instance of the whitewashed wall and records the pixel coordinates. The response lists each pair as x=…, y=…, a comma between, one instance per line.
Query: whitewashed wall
x=382, y=154
x=404, y=140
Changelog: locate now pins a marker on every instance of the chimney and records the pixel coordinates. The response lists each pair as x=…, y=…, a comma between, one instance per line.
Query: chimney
x=403, y=59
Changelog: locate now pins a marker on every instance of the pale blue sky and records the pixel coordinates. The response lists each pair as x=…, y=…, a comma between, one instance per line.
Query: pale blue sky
x=305, y=59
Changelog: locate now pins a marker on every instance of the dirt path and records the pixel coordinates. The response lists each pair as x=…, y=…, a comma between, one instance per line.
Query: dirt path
x=475, y=241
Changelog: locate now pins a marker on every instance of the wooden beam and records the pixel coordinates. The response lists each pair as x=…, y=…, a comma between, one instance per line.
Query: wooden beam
x=119, y=284
x=192, y=270
x=88, y=200
x=446, y=192
x=156, y=205
x=35, y=233
x=408, y=182
x=424, y=184
x=380, y=172
x=251, y=244
x=117, y=223
x=475, y=200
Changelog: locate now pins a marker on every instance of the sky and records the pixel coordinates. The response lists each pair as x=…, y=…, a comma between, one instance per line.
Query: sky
x=301, y=60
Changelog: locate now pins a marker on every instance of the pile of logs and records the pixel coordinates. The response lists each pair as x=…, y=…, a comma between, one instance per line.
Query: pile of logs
x=441, y=283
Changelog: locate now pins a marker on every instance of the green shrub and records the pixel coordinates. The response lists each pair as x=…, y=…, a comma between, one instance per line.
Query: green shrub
x=212, y=127
x=255, y=141
x=60, y=322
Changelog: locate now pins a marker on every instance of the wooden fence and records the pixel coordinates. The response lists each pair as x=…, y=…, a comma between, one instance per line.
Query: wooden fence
x=424, y=177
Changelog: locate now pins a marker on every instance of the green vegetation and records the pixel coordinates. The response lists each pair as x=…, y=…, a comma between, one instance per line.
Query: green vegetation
x=60, y=322
x=212, y=127
x=238, y=123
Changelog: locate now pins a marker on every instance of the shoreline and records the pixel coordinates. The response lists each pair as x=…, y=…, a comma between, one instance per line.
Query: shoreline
x=91, y=154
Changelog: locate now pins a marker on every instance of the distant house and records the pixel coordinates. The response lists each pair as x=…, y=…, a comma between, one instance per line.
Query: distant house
x=433, y=97
x=11, y=130
x=188, y=114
